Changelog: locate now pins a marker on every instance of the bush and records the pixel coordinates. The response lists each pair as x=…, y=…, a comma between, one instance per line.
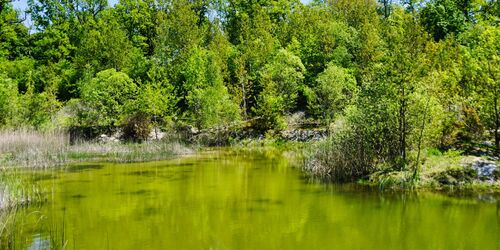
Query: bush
x=269, y=112
x=335, y=89
x=342, y=157
x=281, y=80
x=455, y=175
x=137, y=127
x=104, y=98
x=208, y=100
x=471, y=126
x=8, y=101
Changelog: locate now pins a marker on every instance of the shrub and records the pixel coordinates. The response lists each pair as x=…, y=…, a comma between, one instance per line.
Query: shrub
x=281, y=80
x=455, y=175
x=335, y=89
x=269, y=112
x=137, y=127
x=104, y=98
x=208, y=100
x=8, y=101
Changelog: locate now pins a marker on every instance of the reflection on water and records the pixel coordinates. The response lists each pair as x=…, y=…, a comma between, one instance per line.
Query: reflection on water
x=222, y=201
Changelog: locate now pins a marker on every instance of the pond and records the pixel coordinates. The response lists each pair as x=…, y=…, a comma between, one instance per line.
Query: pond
x=221, y=200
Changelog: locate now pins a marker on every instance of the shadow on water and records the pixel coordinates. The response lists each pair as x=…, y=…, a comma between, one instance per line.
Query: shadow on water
x=151, y=211
x=264, y=201
x=43, y=177
x=145, y=173
x=185, y=164
x=75, y=181
x=83, y=167
x=78, y=196
x=138, y=192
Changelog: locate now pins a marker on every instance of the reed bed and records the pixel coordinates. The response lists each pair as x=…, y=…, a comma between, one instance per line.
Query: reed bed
x=33, y=149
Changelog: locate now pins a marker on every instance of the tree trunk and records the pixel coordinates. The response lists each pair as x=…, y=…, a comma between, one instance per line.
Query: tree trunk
x=495, y=107
x=243, y=90
x=416, y=171
x=497, y=121
x=402, y=126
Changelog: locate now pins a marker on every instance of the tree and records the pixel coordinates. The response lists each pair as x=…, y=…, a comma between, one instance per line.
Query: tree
x=285, y=73
x=104, y=98
x=385, y=9
x=13, y=34
x=178, y=33
x=443, y=17
x=318, y=38
x=46, y=13
x=482, y=67
x=209, y=103
x=405, y=45
x=8, y=101
x=155, y=104
x=139, y=19
x=254, y=47
x=281, y=80
x=335, y=89
x=104, y=44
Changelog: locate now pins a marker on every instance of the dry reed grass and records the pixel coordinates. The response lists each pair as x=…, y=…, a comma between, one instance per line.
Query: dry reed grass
x=32, y=148
x=24, y=148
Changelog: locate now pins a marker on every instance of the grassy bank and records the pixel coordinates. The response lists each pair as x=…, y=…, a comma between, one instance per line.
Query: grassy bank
x=451, y=170
x=50, y=149
x=438, y=170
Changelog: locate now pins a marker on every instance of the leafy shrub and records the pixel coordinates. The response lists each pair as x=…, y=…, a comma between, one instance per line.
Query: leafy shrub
x=137, y=127
x=8, y=101
x=104, y=98
x=335, y=89
x=471, y=126
x=269, y=112
x=208, y=100
x=281, y=80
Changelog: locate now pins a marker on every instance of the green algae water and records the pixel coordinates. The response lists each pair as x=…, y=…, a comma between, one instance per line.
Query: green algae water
x=220, y=200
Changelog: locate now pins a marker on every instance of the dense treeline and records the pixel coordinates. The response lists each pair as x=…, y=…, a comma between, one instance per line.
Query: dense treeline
x=389, y=77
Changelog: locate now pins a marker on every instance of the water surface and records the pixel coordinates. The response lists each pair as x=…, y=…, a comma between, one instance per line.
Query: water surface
x=218, y=200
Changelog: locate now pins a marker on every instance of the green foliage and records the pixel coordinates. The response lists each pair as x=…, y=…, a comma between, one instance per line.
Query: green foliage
x=104, y=98
x=443, y=17
x=39, y=108
x=335, y=89
x=9, y=102
x=320, y=39
x=13, y=34
x=281, y=79
x=137, y=127
x=284, y=76
x=208, y=100
x=139, y=19
x=270, y=110
x=482, y=63
x=399, y=76
x=104, y=45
